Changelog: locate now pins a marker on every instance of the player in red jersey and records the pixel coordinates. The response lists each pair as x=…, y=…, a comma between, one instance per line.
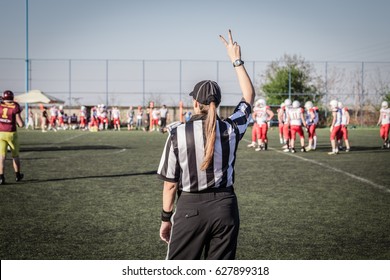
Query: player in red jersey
x=9, y=118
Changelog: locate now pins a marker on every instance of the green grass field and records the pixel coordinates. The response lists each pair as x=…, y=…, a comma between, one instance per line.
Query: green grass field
x=96, y=196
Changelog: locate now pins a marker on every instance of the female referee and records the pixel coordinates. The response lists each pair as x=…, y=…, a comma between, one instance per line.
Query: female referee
x=198, y=164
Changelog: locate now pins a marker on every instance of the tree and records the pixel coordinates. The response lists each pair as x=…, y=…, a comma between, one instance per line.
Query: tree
x=291, y=74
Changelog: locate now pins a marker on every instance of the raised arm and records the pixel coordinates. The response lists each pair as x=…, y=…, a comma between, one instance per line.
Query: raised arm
x=234, y=53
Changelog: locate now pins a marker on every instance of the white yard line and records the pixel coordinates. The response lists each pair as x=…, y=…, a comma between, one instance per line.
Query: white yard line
x=358, y=178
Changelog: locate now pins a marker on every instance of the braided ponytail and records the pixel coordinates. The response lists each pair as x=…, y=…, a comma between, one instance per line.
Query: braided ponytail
x=210, y=132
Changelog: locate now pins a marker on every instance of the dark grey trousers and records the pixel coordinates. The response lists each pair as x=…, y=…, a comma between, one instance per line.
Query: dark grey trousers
x=205, y=222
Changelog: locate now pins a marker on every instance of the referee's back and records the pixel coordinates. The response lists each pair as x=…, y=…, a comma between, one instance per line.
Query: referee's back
x=184, y=152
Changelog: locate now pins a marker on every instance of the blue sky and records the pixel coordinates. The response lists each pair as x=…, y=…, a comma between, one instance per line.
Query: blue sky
x=178, y=29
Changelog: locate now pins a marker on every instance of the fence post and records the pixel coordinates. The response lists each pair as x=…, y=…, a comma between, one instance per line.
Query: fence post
x=289, y=83
x=27, y=63
x=326, y=89
x=143, y=82
x=180, y=79
x=107, y=82
x=362, y=109
x=70, y=85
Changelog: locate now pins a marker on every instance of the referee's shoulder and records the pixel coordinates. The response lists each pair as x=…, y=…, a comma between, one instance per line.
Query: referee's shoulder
x=172, y=127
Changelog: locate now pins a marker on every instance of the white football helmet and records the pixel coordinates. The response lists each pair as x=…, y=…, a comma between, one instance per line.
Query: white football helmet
x=385, y=105
x=296, y=104
x=339, y=104
x=333, y=103
x=260, y=103
x=287, y=102
x=308, y=105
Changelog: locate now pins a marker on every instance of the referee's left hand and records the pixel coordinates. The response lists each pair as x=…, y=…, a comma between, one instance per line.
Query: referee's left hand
x=165, y=231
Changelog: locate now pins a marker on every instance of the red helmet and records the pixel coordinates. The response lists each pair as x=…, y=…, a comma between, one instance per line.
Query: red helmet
x=8, y=95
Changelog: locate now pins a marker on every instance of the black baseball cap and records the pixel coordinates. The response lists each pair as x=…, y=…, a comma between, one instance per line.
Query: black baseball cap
x=207, y=91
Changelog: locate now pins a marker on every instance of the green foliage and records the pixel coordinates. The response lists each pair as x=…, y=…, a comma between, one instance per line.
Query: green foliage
x=291, y=74
x=387, y=97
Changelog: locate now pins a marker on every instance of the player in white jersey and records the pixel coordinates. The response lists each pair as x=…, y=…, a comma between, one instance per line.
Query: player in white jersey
x=280, y=114
x=343, y=133
x=130, y=118
x=155, y=119
x=316, y=111
x=286, y=125
x=384, y=122
x=53, y=118
x=335, y=126
x=311, y=125
x=94, y=122
x=296, y=119
x=116, y=118
x=83, y=117
x=255, y=126
x=262, y=116
x=61, y=117
x=103, y=117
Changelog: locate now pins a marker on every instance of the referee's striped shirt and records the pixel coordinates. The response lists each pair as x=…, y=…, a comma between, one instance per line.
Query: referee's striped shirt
x=184, y=152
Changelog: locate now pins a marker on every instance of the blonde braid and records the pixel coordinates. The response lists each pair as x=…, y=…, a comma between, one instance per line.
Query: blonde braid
x=210, y=132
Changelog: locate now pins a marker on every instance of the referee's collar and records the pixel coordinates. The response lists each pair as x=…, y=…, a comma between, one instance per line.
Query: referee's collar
x=199, y=117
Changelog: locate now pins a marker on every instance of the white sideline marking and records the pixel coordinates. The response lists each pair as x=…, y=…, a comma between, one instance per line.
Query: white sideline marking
x=375, y=185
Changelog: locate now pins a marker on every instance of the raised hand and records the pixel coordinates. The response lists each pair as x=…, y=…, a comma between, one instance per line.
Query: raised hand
x=233, y=49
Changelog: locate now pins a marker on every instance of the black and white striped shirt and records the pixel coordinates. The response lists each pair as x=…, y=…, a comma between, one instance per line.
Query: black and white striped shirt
x=184, y=152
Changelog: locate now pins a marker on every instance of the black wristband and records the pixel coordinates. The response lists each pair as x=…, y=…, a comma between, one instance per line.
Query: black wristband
x=238, y=62
x=166, y=216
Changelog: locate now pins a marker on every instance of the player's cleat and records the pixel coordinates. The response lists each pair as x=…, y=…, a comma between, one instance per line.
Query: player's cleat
x=19, y=177
x=303, y=150
x=252, y=145
x=2, y=179
x=286, y=150
x=265, y=146
x=308, y=149
x=285, y=147
x=347, y=150
x=332, y=153
x=260, y=148
x=293, y=150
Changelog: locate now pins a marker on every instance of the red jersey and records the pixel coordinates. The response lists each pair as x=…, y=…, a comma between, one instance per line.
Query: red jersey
x=8, y=111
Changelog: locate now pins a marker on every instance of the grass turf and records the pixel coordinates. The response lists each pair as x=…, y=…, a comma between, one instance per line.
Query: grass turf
x=96, y=196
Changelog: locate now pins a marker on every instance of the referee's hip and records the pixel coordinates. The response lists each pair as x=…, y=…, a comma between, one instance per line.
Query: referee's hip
x=208, y=194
